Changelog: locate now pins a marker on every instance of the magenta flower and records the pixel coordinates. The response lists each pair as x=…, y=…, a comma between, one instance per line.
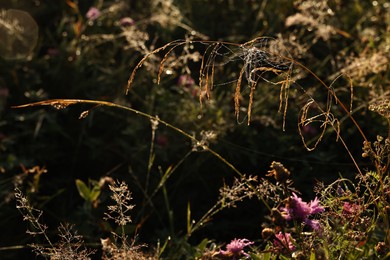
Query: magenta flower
x=236, y=248
x=93, y=13
x=297, y=209
x=185, y=80
x=314, y=224
x=315, y=206
x=350, y=209
x=283, y=242
x=126, y=21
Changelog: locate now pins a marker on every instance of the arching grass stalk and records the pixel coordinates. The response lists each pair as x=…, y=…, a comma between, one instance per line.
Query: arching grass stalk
x=64, y=103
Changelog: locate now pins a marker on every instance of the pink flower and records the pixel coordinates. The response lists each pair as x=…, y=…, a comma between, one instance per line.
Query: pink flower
x=93, y=13
x=185, y=80
x=126, y=21
x=236, y=248
x=314, y=224
x=283, y=242
x=350, y=209
x=315, y=206
x=297, y=209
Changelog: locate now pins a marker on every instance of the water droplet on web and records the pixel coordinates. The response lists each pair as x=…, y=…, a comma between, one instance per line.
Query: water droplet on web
x=84, y=114
x=59, y=105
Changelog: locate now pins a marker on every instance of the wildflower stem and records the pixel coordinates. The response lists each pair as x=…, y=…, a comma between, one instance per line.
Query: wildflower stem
x=66, y=102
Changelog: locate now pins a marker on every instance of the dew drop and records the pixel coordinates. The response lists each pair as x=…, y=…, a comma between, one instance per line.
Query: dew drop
x=59, y=105
x=84, y=114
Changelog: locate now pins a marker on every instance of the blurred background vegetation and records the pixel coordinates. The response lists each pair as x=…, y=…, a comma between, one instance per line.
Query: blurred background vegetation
x=75, y=54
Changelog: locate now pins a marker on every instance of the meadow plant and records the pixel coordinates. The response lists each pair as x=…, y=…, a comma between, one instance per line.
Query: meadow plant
x=236, y=248
x=70, y=244
x=345, y=219
x=298, y=241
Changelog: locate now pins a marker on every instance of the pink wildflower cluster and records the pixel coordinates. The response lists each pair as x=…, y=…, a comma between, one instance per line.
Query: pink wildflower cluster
x=297, y=209
x=350, y=209
x=236, y=248
x=283, y=242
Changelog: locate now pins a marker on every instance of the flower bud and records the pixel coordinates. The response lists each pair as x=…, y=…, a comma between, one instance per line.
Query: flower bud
x=279, y=172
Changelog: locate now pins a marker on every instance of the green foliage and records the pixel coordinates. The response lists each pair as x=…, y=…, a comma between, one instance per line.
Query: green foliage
x=91, y=192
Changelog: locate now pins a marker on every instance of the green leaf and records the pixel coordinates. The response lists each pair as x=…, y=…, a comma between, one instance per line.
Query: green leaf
x=267, y=256
x=312, y=256
x=84, y=191
x=95, y=192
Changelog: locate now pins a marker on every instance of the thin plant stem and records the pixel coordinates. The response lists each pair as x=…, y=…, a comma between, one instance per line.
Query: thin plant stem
x=63, y=103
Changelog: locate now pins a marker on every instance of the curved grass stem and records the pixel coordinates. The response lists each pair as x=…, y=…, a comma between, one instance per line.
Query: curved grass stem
x=63, y=103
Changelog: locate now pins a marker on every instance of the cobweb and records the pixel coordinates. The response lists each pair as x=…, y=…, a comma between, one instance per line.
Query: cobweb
x=263, y=59
x=255, y=58
x=18, y=34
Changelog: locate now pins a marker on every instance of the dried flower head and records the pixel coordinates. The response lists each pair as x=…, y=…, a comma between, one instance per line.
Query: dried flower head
x=267, y=233
x=231, y=195
x=122, y=197
x=359, y=68
x=313, y=15
x=381, y=107
x=279, y=172
x=278, y=218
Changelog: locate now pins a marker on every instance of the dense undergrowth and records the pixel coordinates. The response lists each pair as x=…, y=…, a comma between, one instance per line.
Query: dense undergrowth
x=195, y=129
